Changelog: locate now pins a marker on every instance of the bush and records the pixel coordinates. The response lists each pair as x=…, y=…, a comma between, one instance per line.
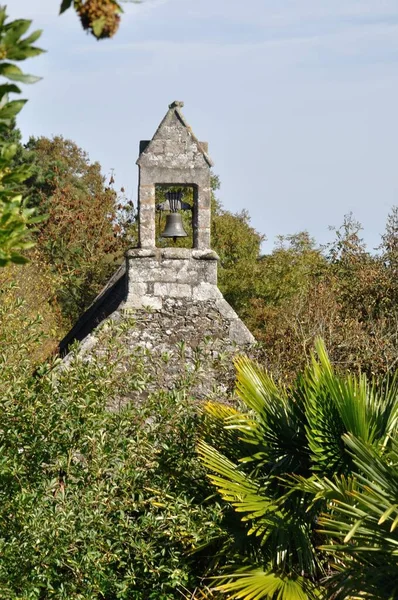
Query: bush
x=97, y=503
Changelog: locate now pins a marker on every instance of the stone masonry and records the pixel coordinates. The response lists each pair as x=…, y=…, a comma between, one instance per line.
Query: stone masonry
x=175, y=157
x=171, y=293
x=179, y=274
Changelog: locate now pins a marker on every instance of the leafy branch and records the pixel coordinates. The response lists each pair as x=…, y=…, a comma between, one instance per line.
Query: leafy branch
x=15, y=216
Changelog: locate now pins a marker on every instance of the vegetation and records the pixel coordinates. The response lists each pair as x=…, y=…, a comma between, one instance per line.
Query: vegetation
x=97, y=503
x=102, y=491
x=303, y=466
x=15, y=216
x=84, y=236
x=300, y=291
x=101, y=18
x=365, y=511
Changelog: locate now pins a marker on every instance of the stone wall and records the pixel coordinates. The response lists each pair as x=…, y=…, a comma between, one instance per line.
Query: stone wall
x=157, y=275
x=185, y=346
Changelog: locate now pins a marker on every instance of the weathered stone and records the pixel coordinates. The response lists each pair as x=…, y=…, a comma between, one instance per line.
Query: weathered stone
x=176, y=253
x=136, y=289
x=143, y=302
x=141, y=252
x=239, y=333
x=205, y=255
x=178, y=311
x=173, y=290
x=226, y=309
x=174, y=155
x=206, y=291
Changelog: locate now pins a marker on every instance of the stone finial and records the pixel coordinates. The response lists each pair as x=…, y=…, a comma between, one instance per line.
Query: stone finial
x=176, y=104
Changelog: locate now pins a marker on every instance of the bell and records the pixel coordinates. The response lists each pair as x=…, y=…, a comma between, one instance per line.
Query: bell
x=174, y=227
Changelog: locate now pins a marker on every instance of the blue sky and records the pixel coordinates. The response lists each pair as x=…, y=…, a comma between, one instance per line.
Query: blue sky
x=298, y=100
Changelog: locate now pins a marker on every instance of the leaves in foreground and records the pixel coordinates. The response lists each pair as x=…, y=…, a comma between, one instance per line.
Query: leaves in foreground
x=292, y=464
x=15, y=217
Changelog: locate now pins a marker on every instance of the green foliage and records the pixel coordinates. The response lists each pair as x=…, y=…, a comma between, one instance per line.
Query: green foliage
x=238, y=245
x=342, y=293
x=365, y=511
x=15, y=216
x=99, y=503
x=30, y=319
x=287, y=438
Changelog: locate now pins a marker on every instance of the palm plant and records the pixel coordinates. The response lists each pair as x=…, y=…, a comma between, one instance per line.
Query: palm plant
x=260, y=458
x=363, y=510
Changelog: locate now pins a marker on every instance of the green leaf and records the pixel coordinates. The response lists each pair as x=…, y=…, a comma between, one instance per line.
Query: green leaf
x=353, y=530
x=65, y=5
x=257, y=584
x=15, y=30
x=33, y=37
x=9, y=88
x=22, y=52
x=387, y=513
x=16, y=74
x=18, y=259
x=11, y=109
x=8, y=151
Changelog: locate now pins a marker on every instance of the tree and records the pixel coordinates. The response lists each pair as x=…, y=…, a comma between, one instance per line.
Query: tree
x=260, y=460
x=15, y=216
x=82, y=238
x=31, y=322
x=341, y=292
x=238, y=245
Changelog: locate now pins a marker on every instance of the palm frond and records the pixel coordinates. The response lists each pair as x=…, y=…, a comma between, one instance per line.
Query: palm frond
x=361, y=524
x=277, y=426
x=284, y=535
x=234, y=485
x=258, y=584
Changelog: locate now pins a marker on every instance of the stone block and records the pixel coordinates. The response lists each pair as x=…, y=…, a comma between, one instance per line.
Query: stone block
x=226, y=310
x=205, y=254
x=141, y=253
x=143, y=302
x=206, y=291
x=210, y=272
x=173, y=290
x=146, y=194
x=239, y=333
x=176, y=253
x=136, y=289
x=157, y=147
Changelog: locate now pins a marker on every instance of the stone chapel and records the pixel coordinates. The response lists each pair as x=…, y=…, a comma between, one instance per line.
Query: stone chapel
x=170, y=292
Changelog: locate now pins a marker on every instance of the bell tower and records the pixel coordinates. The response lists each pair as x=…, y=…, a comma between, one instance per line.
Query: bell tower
x=160, y=277
x=171, y=291
x=174, y=157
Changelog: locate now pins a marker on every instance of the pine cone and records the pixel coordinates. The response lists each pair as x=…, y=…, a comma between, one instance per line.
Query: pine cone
x=93, y=10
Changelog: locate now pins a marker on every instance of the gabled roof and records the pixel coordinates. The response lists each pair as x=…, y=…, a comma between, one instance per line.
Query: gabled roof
x=174, y=110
